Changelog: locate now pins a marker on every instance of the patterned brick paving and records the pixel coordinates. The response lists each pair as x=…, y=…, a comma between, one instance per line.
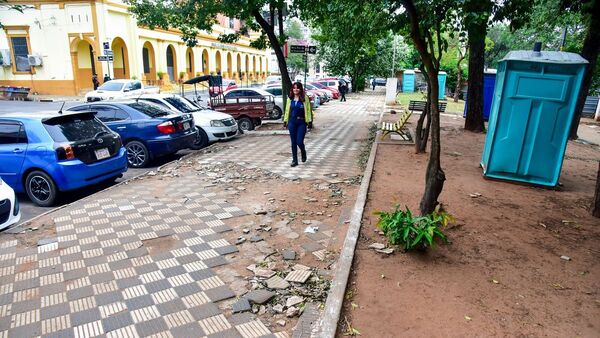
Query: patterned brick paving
x=136, y=261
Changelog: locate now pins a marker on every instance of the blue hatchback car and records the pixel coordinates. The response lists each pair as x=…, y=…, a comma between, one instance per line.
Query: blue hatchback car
x=44, y=153
x=147, y=129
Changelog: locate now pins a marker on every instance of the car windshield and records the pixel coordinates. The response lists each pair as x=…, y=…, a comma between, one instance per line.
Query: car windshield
x=180, y=104
x=111, y=86
x=318, y=85
x=150, y=109
x=73, y=128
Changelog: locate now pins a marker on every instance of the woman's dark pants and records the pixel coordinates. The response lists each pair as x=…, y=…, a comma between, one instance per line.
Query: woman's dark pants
x=297, y=131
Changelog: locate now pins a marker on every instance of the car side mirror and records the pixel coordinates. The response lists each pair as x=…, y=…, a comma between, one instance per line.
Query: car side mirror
x=126, y=90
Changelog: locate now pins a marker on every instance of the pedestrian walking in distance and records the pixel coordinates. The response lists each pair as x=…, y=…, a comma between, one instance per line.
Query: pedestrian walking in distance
x=374, y=84
x=343, y=88
x=95, y=81
x=297, y=118
x=106, y=78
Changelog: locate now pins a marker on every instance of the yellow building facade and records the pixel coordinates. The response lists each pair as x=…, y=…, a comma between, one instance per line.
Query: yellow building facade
x=67, y=38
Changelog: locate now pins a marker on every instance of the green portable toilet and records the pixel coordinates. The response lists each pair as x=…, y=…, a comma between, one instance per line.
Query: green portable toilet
x=442, y=83
x=532, y=109
x=408, y=81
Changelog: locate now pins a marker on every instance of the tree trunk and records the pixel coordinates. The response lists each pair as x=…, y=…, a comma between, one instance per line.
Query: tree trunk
x=458, y=76
x=596, y=202
x=591, y=47
x=270, y=31
x=434, y=177
x=474, y=120
x=422, y=133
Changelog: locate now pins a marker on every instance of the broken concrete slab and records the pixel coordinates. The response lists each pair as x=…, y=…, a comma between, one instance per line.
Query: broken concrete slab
x=259, y=296
x=241, y=305
x=277, y=282
x=294, y=300
x=288, y=255
x=298, y=276
x=377, y=246
x=264, y=273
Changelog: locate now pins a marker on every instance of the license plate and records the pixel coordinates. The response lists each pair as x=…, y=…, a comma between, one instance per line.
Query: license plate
x=186, y=125
x=102, y=153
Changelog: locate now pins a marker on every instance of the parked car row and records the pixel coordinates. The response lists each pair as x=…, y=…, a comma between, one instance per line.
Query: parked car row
x=45, y=153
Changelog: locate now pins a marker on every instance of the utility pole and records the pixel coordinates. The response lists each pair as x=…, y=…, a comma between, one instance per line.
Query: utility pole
x=394, y=57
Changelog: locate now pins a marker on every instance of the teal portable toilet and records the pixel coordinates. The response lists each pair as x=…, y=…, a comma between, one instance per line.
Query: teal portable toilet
x=442, y=84
x=408, y=81
x=532, y=109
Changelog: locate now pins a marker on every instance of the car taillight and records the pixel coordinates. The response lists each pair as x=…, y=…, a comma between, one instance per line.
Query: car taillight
x=65, y=152
x=166, y=127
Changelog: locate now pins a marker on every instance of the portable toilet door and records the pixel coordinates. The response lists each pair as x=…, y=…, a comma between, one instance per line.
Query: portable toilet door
x=408, y=83
x=533, y=106
x=489, y=80
x=442, y=85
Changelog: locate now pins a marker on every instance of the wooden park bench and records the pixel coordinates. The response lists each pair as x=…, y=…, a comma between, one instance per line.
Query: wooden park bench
x=397, y=127
x=420, y=106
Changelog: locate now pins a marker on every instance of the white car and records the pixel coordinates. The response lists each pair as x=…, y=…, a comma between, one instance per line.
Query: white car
x=10, y=213
x=242, y=93
x=212, y=125
x=119, y=89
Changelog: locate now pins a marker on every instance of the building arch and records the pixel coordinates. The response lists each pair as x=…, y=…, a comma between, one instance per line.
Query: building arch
x=85, y=64
x=238, y=63
x=189, y=63
x=205, y=62
x=149, y=62
x=254, y=66
x=171, y=63
x=229, y=73
x=247, y=69
x=218, y=63
x=120, y=63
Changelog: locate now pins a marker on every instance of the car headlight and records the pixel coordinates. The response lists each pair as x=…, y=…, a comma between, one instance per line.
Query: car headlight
x=217, y=123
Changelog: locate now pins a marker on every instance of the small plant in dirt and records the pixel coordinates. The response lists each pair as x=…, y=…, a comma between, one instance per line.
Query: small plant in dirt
x=401, y=227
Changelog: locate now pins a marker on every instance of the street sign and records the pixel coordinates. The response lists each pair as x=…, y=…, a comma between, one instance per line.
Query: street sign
x=312, y=49
x=297, y=49
x=105, y=57
x=108, y=52
x=106, y=45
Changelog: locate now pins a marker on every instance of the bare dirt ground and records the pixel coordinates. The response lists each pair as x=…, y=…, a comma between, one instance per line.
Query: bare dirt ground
x=502, y=274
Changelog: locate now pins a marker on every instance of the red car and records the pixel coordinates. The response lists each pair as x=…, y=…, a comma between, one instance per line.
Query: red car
x=334, y=92
x=227, y=85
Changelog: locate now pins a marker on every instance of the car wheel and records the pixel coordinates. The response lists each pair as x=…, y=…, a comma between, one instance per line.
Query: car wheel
x=201, y=140
x=41, y=188
x=245, y=124
x=137, y=154
x=277, y=113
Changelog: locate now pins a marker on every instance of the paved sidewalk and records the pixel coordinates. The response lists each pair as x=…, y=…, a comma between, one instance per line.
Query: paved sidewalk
x=140, y=260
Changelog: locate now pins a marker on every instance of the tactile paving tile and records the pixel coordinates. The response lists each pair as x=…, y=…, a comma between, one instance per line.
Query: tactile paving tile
x=332, y=149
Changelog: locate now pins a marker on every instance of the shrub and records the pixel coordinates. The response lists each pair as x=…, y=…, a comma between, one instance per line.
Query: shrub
x=402, y=228
x=160, y=75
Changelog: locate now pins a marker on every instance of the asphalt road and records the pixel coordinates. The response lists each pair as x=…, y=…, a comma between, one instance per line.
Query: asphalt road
x=29, y=209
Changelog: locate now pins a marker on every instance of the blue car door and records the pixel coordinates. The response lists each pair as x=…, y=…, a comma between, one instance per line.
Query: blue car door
x=13, y=145
x=121, y=123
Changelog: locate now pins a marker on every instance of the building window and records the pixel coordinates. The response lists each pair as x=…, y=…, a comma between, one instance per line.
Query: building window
x=231, y=23
x=20, y=50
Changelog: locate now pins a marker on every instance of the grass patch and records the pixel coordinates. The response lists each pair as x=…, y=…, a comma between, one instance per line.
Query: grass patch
x=453, y=107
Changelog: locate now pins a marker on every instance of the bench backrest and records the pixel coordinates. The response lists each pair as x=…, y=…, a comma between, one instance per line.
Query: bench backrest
x=420, y=106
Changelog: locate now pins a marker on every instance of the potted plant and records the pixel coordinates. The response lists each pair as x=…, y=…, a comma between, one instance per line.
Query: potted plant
x=181, y=76
x=160, y=75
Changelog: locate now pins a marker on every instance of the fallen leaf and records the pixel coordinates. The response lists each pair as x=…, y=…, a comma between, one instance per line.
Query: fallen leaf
x=467, y=318
x=495, y=281
x=544, y=225
x=354, y=305
x=382, y=276
x=558, y=286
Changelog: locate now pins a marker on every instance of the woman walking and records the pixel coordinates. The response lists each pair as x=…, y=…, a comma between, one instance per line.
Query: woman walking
x=297, y=117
